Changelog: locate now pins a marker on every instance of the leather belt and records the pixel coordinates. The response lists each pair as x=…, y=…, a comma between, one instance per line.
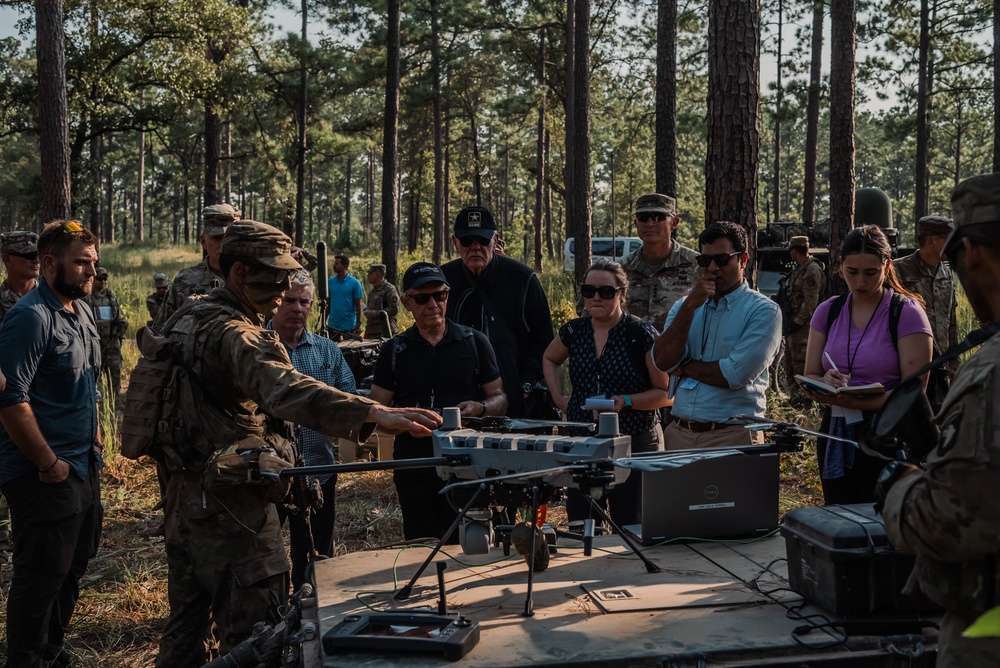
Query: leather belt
x=692, y=425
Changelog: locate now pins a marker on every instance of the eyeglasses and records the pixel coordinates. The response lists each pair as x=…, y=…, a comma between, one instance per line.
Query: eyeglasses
x=422, y=298
x=482, y=241
x=31, y=257
x=720, y=260
x=100, y=278
x=651, y=217
x=605, y=291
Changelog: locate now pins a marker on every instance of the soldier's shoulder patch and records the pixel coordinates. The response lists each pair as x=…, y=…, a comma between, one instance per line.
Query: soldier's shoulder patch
x=949, y=432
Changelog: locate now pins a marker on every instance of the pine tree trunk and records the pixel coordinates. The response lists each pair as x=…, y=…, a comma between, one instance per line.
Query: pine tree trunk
x=569, y=103
x=212, y=150
x=778, y=110
x=666, y=97
x=922, y=176
x=300, y=158
x=53, y=110
x=842, y=72
x=540, y=157
x=437, y=215
x=97, y=185
x=140, y=187
x=734, y=118
x=812, y=115
x=581, y=150
x=390, y=142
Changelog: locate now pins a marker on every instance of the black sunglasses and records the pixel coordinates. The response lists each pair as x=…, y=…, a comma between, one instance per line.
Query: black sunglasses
x=647, y=217
x=720, y=260
x=467, y=241
x=422, y=298
x=31, y=257
x=605, y=291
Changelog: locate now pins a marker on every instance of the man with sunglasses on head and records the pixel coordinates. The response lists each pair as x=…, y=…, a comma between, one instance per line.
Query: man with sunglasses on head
x=434, y=364
x=717, y=346
x=50, y=444
x=225, y=555
x=501, y=298
x=948, y=512
x=661, y=271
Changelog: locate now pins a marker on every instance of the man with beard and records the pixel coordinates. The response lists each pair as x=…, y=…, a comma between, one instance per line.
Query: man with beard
x=50, y=448
x=225, y=556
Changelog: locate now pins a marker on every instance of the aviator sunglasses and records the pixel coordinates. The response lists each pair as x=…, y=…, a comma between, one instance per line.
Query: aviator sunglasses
x=721, y=260
x=482, y=241
x=421, y=299
x=605, y=291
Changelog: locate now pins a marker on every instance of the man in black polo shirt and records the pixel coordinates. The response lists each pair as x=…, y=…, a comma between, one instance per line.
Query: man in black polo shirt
x=433, y=364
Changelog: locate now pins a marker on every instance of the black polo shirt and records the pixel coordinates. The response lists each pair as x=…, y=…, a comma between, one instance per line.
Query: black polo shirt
x=425, y=376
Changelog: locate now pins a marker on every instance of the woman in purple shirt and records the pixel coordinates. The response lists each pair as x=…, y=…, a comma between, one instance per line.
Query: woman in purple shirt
x=857, y=348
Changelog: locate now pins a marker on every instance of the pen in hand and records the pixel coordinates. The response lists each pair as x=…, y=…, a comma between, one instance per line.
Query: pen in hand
x=830, y=360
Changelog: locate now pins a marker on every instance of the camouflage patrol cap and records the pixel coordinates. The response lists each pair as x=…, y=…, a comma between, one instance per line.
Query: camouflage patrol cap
x=974, y=201
x=18, y=242
x=799, y=242
x=377, y=267
x=216, y=217
x=160, y=280
x=265, y=244
x=930, y=226
x=656, y=203
x=100, y=272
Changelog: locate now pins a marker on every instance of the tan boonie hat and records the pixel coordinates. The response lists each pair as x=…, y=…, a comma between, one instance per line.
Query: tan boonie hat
x=265, y=244
x=974, y=201
x=656, y=203
x=160, y=280
x=799, y=242
x=934, y=226
x=216, y=217
x=18, y=242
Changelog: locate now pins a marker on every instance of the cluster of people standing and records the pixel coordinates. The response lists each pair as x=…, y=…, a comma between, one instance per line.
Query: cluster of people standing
x=675, y=340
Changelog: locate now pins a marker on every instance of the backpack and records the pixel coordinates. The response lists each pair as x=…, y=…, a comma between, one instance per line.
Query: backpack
x=895, y=312
x=153, y=390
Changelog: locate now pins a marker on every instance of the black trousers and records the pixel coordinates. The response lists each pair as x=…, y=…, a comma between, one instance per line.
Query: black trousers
x=58, y=531
x=322, y=523
x=426, y=514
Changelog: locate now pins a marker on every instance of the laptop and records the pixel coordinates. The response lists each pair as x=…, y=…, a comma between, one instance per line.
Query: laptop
x=722, y=497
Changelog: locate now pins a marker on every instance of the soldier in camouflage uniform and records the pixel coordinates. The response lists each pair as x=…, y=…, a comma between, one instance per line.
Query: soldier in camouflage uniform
x=19, y=251
x=111, y=326
x=155, y=300
x=20, y=259
x=925, y=274
x=949, y=513
x=662, y=270
x=804, y=285
x=383, y=297
x=225, y=556
x=205, y=276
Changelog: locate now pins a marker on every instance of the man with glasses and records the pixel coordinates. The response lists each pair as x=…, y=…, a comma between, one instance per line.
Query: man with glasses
x=433, y=364
x=661, y=271
x=20, y=260
x=205, y=276
x=503, y=299
x=111, y=326
x=948, y=512
x=718, y=344
x=225, y=555
x=924, y=273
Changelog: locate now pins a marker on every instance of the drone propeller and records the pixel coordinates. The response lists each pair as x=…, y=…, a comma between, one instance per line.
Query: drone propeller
x=519, y=424
x=756, y=424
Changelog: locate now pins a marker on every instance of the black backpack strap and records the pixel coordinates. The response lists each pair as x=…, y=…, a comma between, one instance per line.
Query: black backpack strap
x=835, y=308
x=470, y=341
x=896, y=305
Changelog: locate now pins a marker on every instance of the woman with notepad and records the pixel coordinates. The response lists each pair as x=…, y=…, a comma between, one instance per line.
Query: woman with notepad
x=610, y=370
x=876, y=334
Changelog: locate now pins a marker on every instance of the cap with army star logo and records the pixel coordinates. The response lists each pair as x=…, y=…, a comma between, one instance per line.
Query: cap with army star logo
x=216, y=217
x=19, y=243
x=265, y=244
x=475, y=221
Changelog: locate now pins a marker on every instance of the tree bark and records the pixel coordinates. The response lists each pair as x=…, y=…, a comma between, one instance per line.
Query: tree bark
x=666, y=97
x=540, y=157
x=996, y=85
x=922, y=176
x=569, y=104
x=390, y=142
x=110, y=196
x=734, y=118
x=53, y=110
x=812, y=115
x=212, y=150
x=140, y=187
x=300, y=158
x=550, y=249
x=348, y=177
x=778, y=110
x=97, y=185
x=842, y=72
x=437, y=215
x=581, y=150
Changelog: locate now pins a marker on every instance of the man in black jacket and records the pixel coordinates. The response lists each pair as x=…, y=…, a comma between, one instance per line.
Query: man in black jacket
x=503, y=299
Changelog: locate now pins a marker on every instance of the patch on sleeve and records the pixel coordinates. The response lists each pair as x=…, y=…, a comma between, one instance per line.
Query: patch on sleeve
x=949, y=433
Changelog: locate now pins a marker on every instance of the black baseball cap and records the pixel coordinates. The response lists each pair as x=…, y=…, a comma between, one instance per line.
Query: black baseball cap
x=475, y=221
x=422, y=273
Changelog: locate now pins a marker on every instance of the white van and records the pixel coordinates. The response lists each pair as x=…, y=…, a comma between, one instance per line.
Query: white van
x=601, y=247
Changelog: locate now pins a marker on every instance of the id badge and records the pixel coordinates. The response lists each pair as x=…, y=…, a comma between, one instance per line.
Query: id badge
x=689, y=383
